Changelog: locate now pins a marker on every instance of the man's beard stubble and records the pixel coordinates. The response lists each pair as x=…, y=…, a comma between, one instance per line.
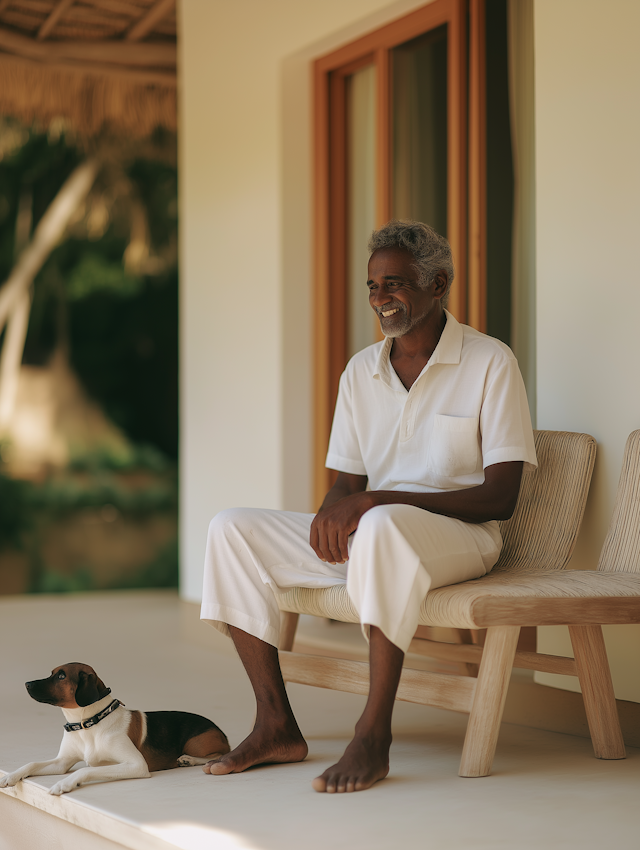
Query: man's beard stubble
x=402, y=324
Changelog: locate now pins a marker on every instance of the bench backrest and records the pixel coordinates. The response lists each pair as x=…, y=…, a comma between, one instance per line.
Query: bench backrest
x=621, y=550
x=543, y=530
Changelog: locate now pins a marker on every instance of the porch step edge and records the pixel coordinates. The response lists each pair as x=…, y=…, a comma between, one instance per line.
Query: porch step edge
x=79, y=813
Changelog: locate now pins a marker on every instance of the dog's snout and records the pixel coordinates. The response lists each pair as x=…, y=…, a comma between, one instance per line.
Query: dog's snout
x=29, y=685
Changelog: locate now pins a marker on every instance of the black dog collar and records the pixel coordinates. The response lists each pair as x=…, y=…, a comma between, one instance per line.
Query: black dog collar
x=92, y=721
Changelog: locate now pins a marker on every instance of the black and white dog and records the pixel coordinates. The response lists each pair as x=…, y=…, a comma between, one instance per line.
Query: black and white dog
x=116, y=743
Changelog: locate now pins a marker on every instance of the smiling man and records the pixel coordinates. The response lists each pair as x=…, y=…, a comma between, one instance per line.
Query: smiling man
x=435, y=421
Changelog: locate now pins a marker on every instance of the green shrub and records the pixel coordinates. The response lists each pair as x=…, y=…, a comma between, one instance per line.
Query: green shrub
x=15, y=512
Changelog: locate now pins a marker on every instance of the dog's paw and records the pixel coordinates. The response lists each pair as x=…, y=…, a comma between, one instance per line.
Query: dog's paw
x=190, y=761
x=63, y=787
x=10, y=779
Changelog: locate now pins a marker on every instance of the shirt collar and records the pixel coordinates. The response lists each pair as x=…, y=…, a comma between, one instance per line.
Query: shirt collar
x=448, y=350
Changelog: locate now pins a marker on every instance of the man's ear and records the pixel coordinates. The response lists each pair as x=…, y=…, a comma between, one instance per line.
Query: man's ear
x=440, y=283
x=87, y=690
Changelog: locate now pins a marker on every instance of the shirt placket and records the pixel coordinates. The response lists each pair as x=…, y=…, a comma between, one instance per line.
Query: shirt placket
x=408, y=421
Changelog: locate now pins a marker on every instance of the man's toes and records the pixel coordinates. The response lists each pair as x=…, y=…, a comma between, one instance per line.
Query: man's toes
x=219, y=768
x=319, y=784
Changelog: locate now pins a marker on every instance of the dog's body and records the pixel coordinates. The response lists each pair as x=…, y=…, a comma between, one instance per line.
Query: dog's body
x=114, y=742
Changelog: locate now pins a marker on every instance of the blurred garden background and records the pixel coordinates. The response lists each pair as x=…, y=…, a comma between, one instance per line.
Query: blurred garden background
x=88, y=360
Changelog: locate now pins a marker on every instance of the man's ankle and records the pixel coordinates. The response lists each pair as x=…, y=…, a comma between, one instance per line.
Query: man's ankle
x=373, y=731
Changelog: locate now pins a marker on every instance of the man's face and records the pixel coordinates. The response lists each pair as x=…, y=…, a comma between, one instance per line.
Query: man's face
x=395, y=294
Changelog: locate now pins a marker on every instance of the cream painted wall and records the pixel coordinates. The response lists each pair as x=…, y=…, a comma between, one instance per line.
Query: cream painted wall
x=587, y=74
x=245, y=249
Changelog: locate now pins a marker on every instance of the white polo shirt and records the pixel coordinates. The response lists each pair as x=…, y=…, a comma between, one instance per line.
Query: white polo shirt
x=466, y=410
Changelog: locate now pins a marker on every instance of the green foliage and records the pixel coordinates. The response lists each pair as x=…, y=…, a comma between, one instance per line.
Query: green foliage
x=163, y=571
x=92, y=273
x=50, y=581
x=121, y=332
x=139, y=457
x=15, y=512
x=41, y=165
x=70, y=493
x=125, y=351
x=121, y=329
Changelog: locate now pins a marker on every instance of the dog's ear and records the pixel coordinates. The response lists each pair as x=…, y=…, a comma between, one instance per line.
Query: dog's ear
x=103, y=690
x=87, y=690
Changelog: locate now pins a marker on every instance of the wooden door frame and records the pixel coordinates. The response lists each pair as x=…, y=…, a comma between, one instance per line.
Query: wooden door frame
x=330, y=185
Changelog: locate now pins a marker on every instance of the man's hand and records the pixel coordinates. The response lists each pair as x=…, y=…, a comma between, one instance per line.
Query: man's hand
x=348, y=500
x=331, y=527
x=339, y=516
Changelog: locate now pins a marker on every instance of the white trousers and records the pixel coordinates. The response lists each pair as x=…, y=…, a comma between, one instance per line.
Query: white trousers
x=396, y=555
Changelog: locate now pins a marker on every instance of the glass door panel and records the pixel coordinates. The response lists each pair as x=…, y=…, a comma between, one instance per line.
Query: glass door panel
x=361, y=204
x=419, y=132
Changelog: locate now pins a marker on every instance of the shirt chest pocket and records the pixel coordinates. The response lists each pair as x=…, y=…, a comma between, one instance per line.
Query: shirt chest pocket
x=453, y=449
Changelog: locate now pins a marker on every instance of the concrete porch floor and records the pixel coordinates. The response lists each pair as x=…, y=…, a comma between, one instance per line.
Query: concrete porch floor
x=547, y=790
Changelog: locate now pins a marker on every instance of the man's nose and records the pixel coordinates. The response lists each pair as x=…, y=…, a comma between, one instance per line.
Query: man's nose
x=379, y=297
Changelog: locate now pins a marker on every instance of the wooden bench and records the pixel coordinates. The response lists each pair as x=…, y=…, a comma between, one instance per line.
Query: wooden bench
x=528, y=587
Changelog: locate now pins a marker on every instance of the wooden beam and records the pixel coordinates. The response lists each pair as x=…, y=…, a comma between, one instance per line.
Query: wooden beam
x=59, y=9
x=545, y=663
x=473, y=655
x=602, y=610
x=116, y=52
x=477, y=256
x=139, y=76
x=4, y=4
x=457, y=155
x=144, y=26
x=437, y=689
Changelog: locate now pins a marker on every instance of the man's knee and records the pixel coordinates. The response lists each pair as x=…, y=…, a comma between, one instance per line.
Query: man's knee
x=237, y=518
x=380, y=519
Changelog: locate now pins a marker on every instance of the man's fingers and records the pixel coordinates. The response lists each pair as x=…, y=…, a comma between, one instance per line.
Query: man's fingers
x=328, y=547
x=322, y=547
x=313, y=538
x=336, y=550
x=343, y=543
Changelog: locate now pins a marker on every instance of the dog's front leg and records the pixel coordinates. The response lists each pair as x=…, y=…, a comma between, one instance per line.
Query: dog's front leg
x=107, y=773
x=61, y=764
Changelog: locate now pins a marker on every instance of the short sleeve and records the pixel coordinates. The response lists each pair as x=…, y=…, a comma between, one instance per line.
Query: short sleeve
x=505, y=422
x=344, y=453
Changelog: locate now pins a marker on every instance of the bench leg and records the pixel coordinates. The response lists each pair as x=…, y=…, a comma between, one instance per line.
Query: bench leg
x=288, y=626
x=597, y=691
x=488, y=701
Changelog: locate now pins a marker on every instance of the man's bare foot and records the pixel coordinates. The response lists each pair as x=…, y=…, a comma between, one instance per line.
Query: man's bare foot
x=365, y=762
x=262, y=746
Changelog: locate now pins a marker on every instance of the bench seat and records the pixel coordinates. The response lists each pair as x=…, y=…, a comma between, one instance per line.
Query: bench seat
x=500, y=599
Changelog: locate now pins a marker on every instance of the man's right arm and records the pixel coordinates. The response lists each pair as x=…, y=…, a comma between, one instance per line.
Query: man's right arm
x=346, y=485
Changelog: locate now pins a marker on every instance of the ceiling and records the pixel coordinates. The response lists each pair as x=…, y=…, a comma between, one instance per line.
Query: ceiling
x=132, y=38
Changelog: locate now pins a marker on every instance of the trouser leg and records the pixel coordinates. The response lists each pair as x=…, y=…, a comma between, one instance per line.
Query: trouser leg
x=253, y=554
x=397, y=554
x=400, y=552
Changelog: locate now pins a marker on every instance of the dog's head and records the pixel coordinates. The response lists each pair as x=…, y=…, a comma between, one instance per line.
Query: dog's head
x=69, y=686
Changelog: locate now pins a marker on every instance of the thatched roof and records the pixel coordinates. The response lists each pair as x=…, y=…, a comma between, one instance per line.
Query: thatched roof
x=97, y=63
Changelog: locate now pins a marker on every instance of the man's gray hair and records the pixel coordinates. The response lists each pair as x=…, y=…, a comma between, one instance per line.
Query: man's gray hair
x=431, y=251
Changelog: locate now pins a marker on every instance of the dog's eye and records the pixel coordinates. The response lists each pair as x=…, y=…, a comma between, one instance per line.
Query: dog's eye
x=62, y=675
